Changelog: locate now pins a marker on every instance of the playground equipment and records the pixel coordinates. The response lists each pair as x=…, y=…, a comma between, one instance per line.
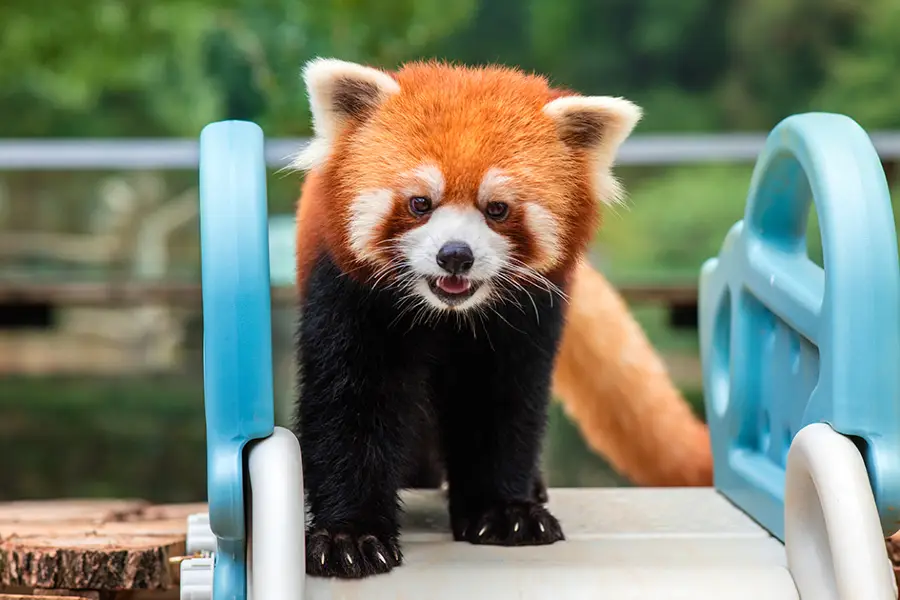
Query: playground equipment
x=802, y=396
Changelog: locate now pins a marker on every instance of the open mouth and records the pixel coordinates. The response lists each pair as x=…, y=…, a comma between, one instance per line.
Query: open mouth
x=453, y=289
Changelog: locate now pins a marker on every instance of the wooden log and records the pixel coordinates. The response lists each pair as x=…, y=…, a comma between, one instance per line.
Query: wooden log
x=90, y=562
x=85, y=545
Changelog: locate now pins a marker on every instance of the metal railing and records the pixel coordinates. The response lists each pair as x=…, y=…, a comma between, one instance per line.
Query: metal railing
x=86, y=154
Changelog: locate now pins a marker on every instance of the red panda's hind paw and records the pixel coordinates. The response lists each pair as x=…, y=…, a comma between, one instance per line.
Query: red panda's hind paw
x=349, y=556
x=511, y=524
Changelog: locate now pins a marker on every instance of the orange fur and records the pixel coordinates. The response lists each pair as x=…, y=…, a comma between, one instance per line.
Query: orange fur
x=492, y=120
x=615, y=387
x=608, y=377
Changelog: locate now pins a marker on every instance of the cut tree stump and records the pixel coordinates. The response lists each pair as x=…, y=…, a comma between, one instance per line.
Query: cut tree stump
x=83, y=547
x=86, y=561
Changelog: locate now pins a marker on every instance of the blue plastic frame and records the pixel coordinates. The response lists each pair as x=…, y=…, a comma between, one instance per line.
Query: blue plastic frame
x=784, y=342
x=237, y=331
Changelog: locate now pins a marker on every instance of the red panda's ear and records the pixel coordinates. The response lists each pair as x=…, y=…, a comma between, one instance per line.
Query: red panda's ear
x=597, y=125
x=339, y=92
x=594, y=123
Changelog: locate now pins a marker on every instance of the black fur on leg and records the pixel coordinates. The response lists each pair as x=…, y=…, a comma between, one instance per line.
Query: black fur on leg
x=540, y=489
x=492, y=396
x=362, y=413
x=388, y=402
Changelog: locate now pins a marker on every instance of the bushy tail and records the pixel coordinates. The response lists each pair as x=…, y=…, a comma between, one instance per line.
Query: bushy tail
x=615, y=387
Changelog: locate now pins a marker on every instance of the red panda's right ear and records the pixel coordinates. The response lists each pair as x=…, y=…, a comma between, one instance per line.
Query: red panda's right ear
x=339, y=92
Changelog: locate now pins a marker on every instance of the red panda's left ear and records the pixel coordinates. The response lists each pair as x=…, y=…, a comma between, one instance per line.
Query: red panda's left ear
x=597, y=125
x=594, y=123
x=339, y=92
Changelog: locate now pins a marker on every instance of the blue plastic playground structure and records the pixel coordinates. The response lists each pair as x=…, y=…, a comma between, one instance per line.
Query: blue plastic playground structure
x=784, y=342
x=237, y=331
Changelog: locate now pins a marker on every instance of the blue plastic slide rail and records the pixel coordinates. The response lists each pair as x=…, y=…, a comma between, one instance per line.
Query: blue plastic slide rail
x=786, y=342
x=237, y=331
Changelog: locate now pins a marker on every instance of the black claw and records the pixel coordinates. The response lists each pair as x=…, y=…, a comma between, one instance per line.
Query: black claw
x=513, y=524
x=349, y=556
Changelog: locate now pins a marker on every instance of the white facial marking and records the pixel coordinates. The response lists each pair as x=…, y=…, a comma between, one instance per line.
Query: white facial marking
x=543, y=226
x=368, y=211
x=494, y=186
x=461, y=224
x=540, y=222
x=430, y=180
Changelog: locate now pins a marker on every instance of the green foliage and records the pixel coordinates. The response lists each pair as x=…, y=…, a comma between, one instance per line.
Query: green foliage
x=675, y=221
x=103, y=67
x=116, y=68
x=781, y=53
x=863, y=79
x=111, y=67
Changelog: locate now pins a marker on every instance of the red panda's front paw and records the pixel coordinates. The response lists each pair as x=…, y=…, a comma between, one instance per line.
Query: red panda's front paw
x=510, y=524
x=349, y=556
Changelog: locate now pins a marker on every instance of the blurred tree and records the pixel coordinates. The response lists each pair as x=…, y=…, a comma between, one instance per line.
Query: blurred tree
x=781, y=53
x=265, y=44
x=112, y=67
x=104, y=67
x=863, y=80
x=666, y=56
x=117, y=68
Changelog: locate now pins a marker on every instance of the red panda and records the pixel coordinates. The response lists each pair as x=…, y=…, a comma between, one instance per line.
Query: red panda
x=441, y=231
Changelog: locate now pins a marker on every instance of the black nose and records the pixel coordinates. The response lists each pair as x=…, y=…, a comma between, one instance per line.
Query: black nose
x=455, y=257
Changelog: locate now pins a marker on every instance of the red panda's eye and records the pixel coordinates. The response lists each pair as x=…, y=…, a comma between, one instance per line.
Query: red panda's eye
x=419, y=205
x=497, y=210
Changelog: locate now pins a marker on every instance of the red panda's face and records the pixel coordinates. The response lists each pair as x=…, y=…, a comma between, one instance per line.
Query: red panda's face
x=458, y=185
